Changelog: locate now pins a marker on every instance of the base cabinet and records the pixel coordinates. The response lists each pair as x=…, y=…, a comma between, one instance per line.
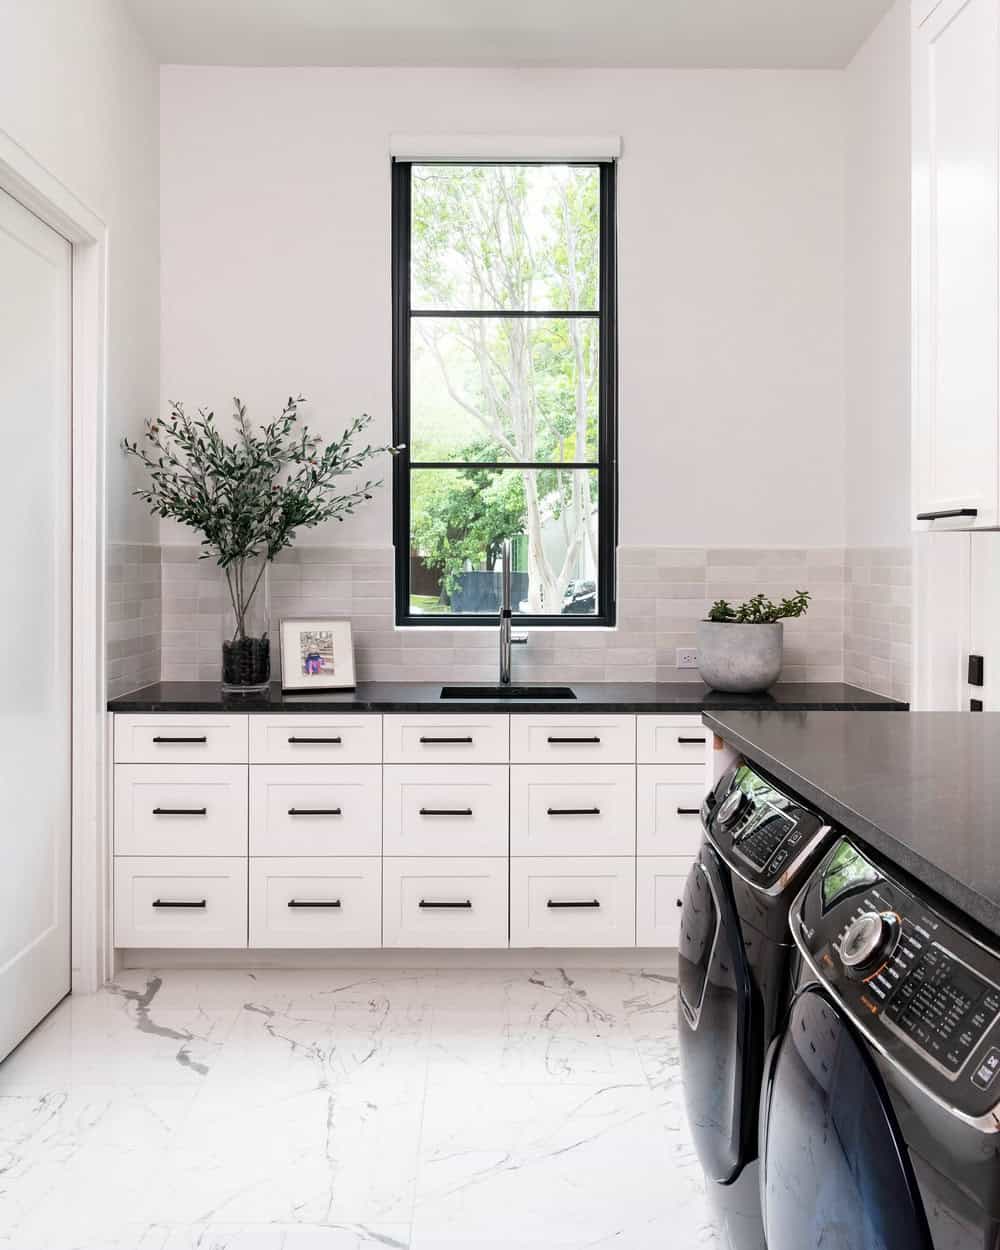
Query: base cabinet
x=436, y=831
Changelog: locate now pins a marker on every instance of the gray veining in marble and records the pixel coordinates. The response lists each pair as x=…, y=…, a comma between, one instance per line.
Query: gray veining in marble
x=300, y=1110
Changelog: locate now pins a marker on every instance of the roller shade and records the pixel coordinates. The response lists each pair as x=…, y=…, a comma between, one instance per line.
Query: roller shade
x=493, y=147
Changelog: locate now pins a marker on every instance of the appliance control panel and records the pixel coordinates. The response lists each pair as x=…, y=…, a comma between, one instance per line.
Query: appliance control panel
x=764, y=834
x=925, y=991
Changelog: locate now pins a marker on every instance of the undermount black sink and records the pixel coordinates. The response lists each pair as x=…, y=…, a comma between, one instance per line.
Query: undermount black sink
x=502, y=693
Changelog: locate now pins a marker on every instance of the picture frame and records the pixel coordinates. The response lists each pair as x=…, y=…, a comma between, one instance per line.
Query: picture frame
x=317, y=653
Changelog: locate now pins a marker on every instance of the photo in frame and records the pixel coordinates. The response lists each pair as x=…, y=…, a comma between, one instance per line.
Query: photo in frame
x=317, y=653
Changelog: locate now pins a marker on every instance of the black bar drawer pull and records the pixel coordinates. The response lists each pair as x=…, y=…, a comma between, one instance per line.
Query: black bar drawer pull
x=314, y=811
x=945, y=513
x=692, y=741
x=161, y=738
x=445, y=740
x=168, y=902
x=429, y=904
x=573, y=811
x=180, y=811
x=314, y=902
x=446, y=811
x=689, y=811
x=325, y=741
x=591, y=902
x=574, y=739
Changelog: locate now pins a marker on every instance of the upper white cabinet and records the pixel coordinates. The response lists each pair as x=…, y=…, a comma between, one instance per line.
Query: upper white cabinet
x=956, y=351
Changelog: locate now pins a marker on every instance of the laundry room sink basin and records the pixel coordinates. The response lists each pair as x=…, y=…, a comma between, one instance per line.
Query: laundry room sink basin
x=503, y=694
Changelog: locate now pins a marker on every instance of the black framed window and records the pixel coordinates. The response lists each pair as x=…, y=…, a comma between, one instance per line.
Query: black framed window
x=504, y=390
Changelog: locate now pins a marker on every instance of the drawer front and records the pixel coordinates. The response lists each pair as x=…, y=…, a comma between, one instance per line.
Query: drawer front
x=442, y=739
x=572, y=739
x=444, y=903
x=668, y=805
x=445, y=811
x=172, y=809
x=659, y=898
x=327, y=903
x=176, y=738
x=572, y=810
x=672, y=740
x=564, y=901
x=175, y=902
x=316, y=739
x=301, y=809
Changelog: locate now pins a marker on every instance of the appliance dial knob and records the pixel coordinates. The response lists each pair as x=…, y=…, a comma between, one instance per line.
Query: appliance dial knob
x=731, y=809
x=867, y=942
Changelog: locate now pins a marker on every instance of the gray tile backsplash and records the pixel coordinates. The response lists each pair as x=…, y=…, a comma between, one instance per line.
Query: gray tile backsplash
x=134, y=623
x=663, y=592
x=878, y=619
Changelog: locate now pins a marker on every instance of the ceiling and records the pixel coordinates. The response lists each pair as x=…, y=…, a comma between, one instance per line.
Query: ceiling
x=626, y=33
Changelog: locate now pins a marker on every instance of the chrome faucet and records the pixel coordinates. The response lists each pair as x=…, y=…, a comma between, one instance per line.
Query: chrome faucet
x=507, y=639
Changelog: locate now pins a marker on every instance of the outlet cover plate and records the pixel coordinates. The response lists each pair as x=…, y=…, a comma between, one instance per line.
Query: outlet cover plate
x=687, y=657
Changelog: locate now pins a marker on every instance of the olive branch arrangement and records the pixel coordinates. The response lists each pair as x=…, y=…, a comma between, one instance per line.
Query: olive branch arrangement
x=760, y=610
x=248, y=497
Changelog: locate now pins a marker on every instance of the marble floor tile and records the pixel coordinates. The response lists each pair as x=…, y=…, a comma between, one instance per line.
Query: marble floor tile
x=331, y=1110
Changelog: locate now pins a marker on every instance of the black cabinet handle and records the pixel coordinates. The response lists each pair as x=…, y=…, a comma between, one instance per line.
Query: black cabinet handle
x=314, y=811
x=689, y=811
x=446, y=811
x=692, y=741
x=945, y=513
x=180, y=811
x=315, y=902
x=573, y=811
x=445, y=740
x=326, y=741
x=555, y=903
x=161, y=738
x=429, y=904
x=574, y=739
x=679, y=902
x=167, y=902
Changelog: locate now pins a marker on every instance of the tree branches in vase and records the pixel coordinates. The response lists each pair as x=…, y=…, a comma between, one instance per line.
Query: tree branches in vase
x=248, y=498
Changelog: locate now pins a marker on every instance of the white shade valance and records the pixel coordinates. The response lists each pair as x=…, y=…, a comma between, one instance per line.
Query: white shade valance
x=493, y=147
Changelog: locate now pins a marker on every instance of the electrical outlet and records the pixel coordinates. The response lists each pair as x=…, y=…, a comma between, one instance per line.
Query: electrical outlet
x=687, y=657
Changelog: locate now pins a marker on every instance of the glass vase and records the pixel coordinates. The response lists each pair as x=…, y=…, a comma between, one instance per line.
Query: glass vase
x=246, y=642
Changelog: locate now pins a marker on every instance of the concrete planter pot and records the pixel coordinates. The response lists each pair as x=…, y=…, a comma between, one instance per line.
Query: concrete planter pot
x=737, y=658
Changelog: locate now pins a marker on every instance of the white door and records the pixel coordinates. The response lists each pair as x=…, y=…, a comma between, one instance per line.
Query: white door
x=35, y=330
x=941, y=635
x=956, y=63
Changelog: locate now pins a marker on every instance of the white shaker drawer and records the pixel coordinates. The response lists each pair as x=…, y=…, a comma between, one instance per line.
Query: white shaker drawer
x=668, y=809
x=302, y=809
x=564, y=901
x=176, y=738
x=437, y=738
x=327, y=903
x=175, y=902
x=572, y=739
x=659, y=898
x=291, y=739
x=430, y=810
x=442, y=903
x=672, y=740
x=568, y=809
x=176, y=809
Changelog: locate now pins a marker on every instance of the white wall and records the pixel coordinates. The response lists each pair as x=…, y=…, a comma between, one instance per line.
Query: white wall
x=275, y=269
x=877, y=307
x=79, y=92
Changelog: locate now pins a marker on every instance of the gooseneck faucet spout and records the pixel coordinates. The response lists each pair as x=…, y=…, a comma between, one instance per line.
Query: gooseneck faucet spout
x=507, y=639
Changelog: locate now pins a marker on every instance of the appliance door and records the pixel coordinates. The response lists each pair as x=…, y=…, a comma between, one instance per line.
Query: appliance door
x=718, y=1044
x=835, y=1171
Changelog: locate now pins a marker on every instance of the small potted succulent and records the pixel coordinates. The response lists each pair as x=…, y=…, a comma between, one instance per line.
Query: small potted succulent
x=740, y=645
x=247, y=499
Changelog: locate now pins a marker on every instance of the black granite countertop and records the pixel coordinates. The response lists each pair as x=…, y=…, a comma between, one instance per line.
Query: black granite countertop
x=378, y=696
x=922, y=790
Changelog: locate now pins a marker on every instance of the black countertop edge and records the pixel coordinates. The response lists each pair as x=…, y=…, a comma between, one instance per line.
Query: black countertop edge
x=680, y=698
x=951, y=858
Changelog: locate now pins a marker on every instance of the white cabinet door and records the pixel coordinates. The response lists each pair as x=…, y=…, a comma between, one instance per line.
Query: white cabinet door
x=178, y=809
x=442, y=738
x=672, y=740
x=955, y=69
x=984, y=619
x=324, y=903
x=568, y=809
x=180, y=738
x=942, y=593
x=315, y=739
x=668, y=810
x=567, y=902
x=444, y=902
x=659, y=899
x=35, y=572
x=431, y=810
x=572, y=739
x=178, y=902
x=305, y=809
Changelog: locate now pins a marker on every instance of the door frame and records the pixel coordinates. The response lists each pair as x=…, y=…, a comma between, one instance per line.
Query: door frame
x=40, y=191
